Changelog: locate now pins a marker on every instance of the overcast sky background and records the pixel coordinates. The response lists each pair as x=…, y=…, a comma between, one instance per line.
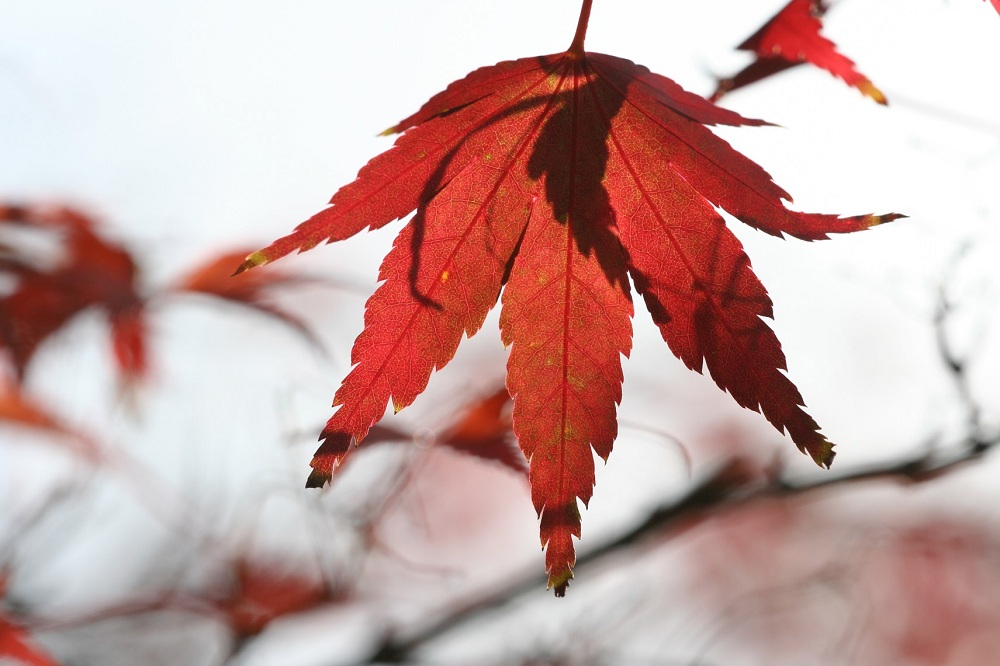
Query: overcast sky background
x=191, y=127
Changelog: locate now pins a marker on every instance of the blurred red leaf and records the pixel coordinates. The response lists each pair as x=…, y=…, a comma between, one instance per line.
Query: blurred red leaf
x=88, y=271
x=933, y=583
x=17, y=648
x=18, y=409
x=790, y=38
x=215, y=278
x=937, y=587
x=485, y=430
x=129, y=335
x=482, y=429
x=264, y=592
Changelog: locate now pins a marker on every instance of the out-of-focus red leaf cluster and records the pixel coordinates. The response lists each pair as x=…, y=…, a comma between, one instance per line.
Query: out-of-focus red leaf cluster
x=936, y=590
x=923, y=594
x=264, y=591
x=84, y=270
x=58, y=263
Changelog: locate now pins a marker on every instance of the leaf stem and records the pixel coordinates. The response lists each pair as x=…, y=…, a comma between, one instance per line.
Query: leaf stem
x=576, y=48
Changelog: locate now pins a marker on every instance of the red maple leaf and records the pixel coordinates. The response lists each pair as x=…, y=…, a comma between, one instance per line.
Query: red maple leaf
x=87, y=271
x=17, y=647
x=263, y=592
x=482, y=429
x=791, y=38
x=19, y=409
x=556, y=180
x=214, y=278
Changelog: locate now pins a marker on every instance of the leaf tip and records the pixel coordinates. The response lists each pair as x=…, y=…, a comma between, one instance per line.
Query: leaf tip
x=876, y=220
x=868, y=89
x=328, y=457
x=389, y=132
x=823, y=454
x=559, y=582
x=252, y=261
x=318, y=479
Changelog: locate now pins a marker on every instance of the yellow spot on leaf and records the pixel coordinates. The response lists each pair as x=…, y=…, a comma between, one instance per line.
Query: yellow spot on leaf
x=252, y=261
x=560, y=581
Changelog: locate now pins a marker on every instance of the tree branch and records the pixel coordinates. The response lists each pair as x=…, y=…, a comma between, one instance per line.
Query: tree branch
x=723, y=488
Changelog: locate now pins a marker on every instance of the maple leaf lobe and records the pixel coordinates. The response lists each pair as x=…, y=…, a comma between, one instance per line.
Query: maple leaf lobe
x=318, y=478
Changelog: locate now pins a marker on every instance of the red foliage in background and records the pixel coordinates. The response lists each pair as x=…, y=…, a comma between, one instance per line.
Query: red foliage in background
x=86, y=271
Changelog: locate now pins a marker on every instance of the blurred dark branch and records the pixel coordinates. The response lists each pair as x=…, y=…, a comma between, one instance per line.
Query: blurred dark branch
x=727, y=487
x=722, y=489
x=955, y=362
x=125, y=609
